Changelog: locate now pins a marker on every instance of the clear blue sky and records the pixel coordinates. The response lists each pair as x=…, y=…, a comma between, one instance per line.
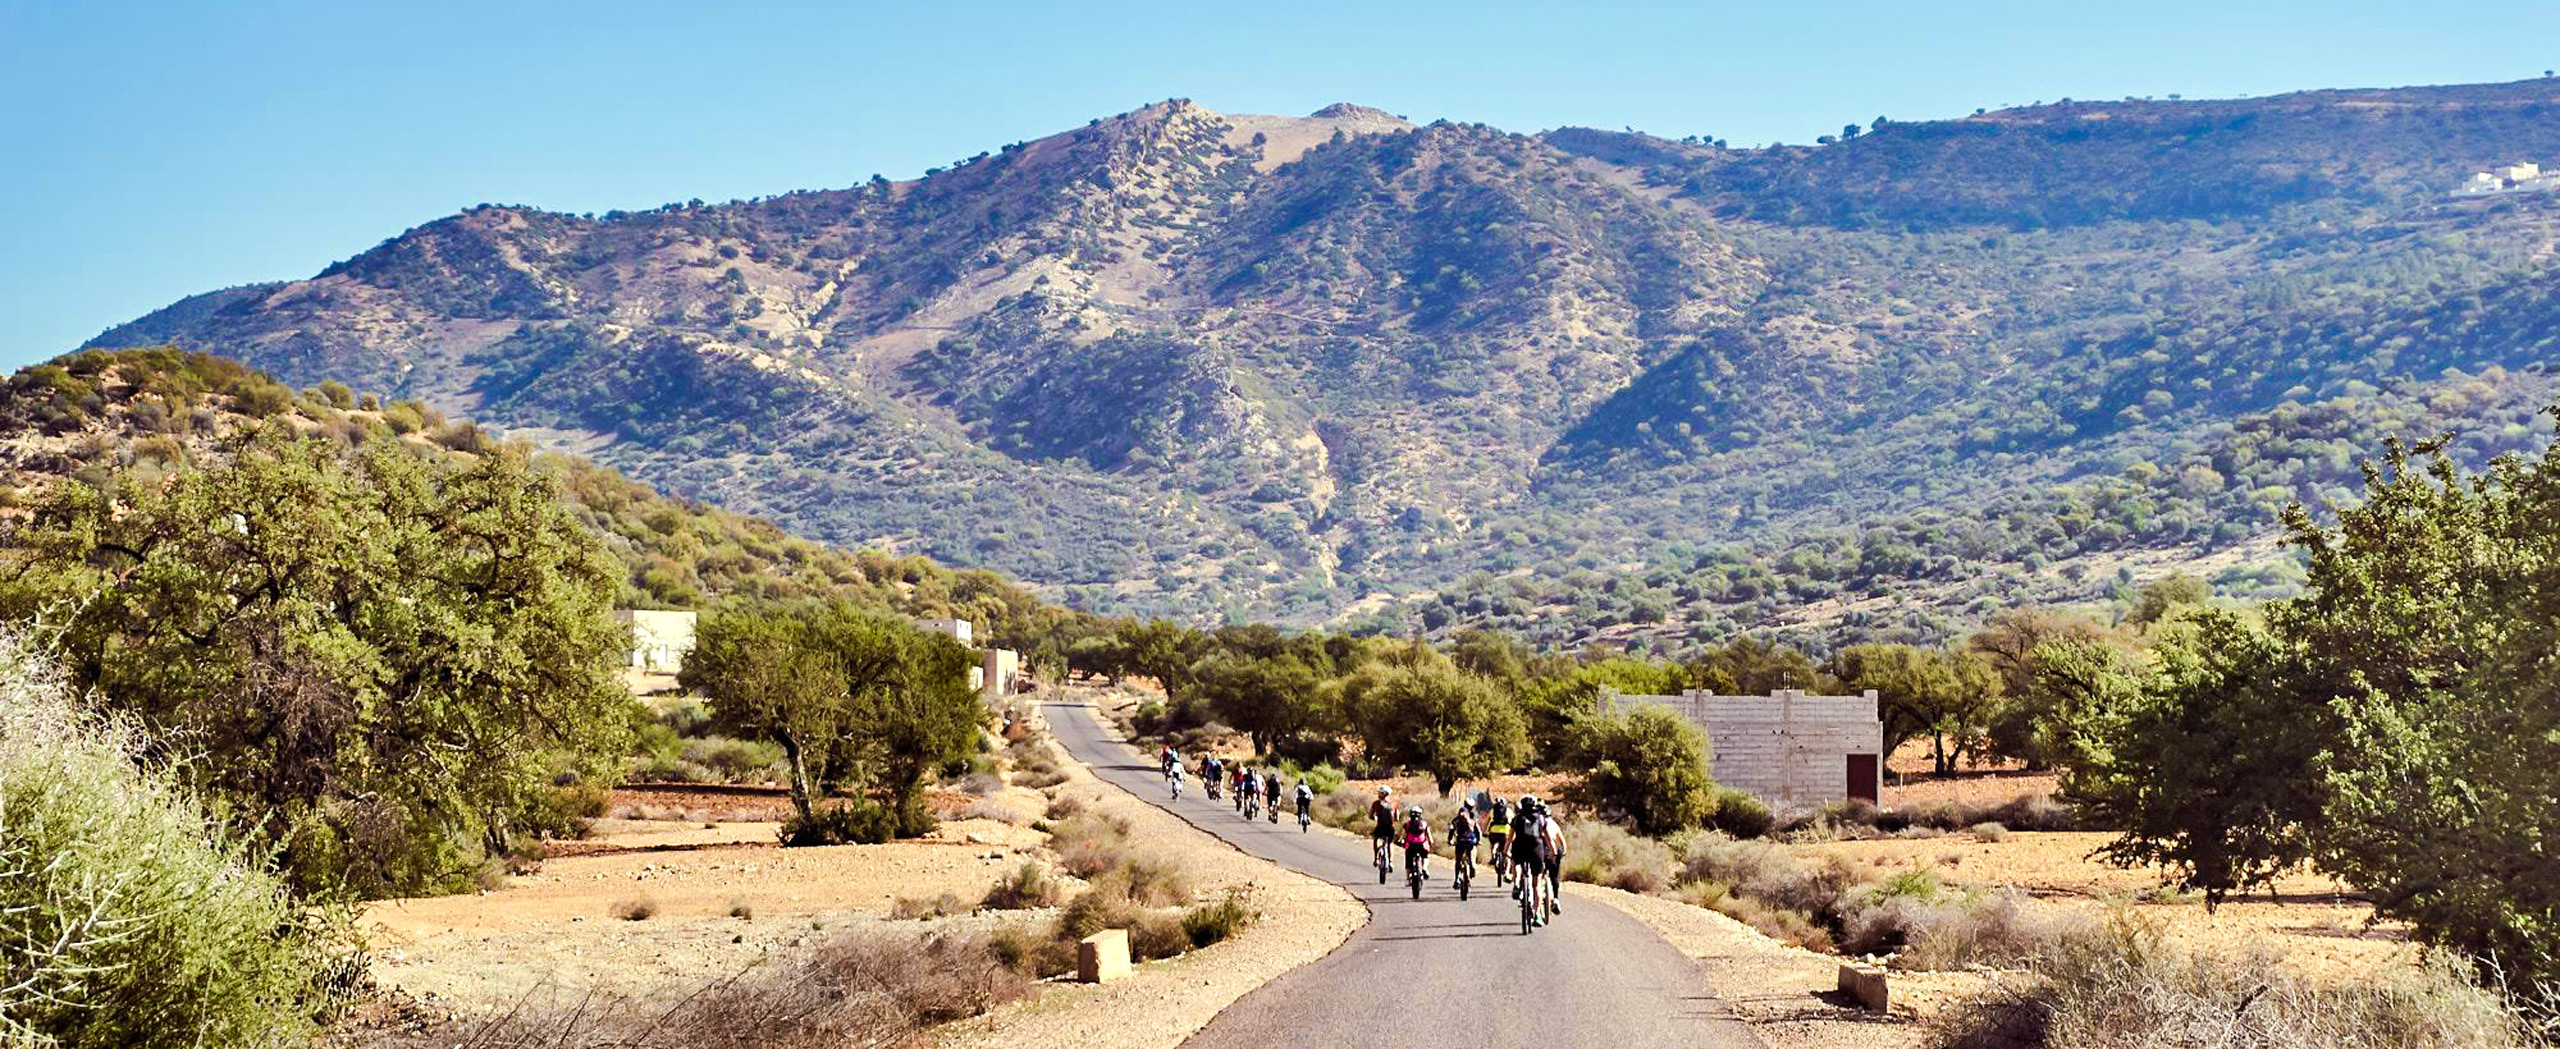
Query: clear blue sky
x=155, y=149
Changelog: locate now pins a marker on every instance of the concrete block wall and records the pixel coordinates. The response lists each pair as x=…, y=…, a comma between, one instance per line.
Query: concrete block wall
x=1790, y=749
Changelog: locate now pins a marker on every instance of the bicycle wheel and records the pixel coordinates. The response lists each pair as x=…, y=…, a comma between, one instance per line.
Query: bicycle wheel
x=1463, y=883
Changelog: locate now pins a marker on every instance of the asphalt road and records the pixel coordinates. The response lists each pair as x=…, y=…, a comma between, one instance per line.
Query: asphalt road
x=1436, y=970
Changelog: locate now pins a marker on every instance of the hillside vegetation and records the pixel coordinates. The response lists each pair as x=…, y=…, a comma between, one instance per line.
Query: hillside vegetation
x=1347, y=370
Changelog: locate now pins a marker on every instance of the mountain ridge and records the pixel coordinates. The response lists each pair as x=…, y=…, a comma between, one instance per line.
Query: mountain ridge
x=1310, y=367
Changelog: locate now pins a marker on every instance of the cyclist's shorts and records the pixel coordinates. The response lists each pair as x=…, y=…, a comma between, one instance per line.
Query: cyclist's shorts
x=1383, y=833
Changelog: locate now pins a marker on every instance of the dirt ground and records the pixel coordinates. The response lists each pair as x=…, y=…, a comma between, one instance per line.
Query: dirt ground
x=724, y=897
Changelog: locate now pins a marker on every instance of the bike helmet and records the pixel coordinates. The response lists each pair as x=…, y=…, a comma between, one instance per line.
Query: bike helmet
x=1382, y=790
x=1413, y=810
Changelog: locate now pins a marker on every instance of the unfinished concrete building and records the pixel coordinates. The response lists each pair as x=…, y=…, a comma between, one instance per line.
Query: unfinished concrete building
x=1796, y=752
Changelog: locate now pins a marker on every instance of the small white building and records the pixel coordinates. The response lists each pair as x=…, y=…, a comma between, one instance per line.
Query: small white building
x=659, y=640
x=997, y=673
x=1795, y=752
x=2524, y=172
x=956, y=629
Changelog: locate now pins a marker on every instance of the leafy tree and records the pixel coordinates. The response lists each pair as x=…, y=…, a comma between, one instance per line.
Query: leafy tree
x=1749, y=666
x=2013, y=643
x=1163, y=651
x=1946, y=696
x=1272, y=698
x=763, y=678
x=2205, y=761
x=2426, y=641
x=855, y=696
x=1647, y=765
x=382, y=656
x=2161, y=597
x=1427, y=715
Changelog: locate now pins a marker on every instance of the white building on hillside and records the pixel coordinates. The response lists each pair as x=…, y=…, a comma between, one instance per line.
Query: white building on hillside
x=958, y=629
x=659, y=640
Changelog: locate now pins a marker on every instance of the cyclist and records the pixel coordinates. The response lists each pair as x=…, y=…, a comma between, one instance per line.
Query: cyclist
x=1551, y=857
x=1497, y=838
x=1525, y=865
x=1167, y=758
x=1249, y=794
x=1243, y=784
x=1383, y=811
x=1209, y=774
x=1306, y=797
x=1417, y=843
x=1462, y=839
x=1173, y=775
x=1271, y=795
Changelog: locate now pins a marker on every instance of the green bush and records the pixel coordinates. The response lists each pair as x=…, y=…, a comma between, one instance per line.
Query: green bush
x=129, y=917
x=1647, y=766
x=1740, y=814
x=845, y=823
x=1212, y=922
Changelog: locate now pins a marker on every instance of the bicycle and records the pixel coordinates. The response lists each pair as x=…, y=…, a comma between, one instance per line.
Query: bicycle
x=1385, y=867
x=1501, y=861
x=1177, y=786
x=1463, y=873
x=1530, y=889
x=1271, y=805
x=1304, y=819
x=1413, y=873
x=1251, y=807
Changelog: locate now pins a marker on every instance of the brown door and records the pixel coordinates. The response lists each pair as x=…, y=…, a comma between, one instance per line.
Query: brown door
x=1862, y=777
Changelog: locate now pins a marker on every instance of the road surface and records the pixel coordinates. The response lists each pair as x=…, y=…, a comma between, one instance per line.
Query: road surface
x=1434, y=971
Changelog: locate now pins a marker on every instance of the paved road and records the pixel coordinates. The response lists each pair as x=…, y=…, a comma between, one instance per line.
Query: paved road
x=1435, y=970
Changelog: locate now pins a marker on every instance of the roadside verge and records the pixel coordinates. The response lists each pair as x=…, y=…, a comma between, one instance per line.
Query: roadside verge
x=1164, y=1003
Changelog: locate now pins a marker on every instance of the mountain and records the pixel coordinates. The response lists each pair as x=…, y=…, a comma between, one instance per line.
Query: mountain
x=1584, y=384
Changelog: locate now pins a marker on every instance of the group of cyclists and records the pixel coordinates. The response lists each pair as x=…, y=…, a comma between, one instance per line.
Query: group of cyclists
x=1525, y=840
x=1256, y=792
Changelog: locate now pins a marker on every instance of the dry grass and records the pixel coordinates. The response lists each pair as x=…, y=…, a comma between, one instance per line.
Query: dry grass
x=639, y=909
x=2123, y=985
x=918, y=908
x=1028, y=887
x=867, y=989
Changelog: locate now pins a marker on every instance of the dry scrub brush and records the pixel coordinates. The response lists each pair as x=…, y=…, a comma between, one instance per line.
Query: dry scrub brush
x=864, y=989
x=2123, y=985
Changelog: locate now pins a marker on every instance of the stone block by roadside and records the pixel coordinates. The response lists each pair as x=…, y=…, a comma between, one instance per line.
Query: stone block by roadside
x=1866, y=983
x=1103, y=956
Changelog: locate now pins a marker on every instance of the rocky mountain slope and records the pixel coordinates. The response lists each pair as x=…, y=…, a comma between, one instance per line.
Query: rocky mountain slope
x=1328, y=367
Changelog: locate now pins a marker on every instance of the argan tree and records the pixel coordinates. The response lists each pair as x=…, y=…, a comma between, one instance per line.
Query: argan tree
x=376, y=658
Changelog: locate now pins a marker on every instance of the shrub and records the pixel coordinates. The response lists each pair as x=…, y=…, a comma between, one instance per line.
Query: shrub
x=2122, y=985
x=742, y=910
x=1648, y=766
x=1740, y=814
x=635, y=910
x=130, y=917
x=1064, y=806
x=981, y=784
x=1212, y=922
x=841, y=823
x=1603, y=854
x=1153, y=879
x=1089, y=844
x=885, y=986
x=1989, y=831
x=734, y=760
x=917, y=908
x=1029, y=886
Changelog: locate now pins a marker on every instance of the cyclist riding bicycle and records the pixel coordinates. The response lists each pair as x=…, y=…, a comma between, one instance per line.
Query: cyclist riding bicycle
x=1462, y=839
x=1497, y=838
x=1551, y=857
x=1527, y=863
x=1173, y=775
x=1306, y=797
x=1417, y=842
x=1271, y=795
x=1383, y=811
